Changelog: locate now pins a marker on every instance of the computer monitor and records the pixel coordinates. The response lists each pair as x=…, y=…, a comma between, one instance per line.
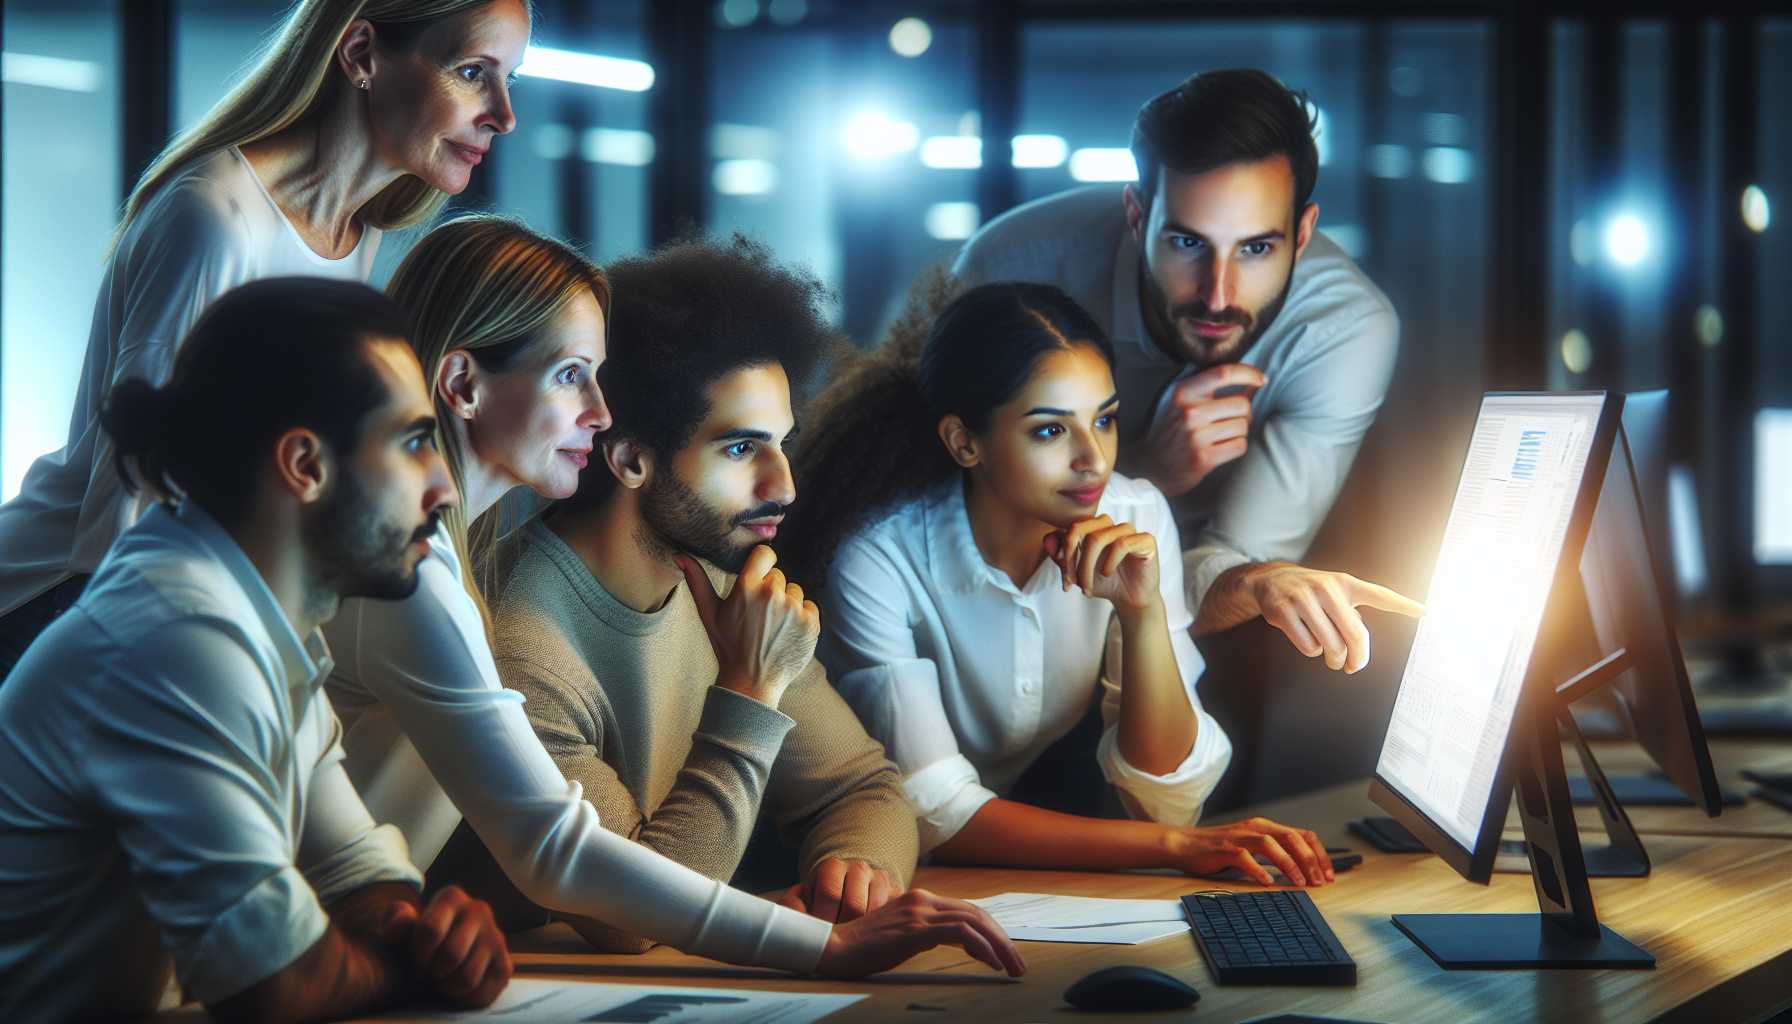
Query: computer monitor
x=1482, y=705
x=1629, y=590
x=1645, y=421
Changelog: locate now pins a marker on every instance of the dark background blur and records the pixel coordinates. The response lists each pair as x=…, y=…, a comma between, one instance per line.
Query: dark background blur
x=1556, y=198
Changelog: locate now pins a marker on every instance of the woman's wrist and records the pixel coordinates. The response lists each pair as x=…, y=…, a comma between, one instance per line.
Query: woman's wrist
x=1149, y=614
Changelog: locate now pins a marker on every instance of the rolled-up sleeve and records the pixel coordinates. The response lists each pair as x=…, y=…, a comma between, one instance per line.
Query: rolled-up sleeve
x=202, y=812
x=1176, y=797
x=870, y=653
x=341, y=848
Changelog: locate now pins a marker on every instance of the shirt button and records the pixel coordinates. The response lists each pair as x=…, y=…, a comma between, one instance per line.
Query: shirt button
x=1029, y=686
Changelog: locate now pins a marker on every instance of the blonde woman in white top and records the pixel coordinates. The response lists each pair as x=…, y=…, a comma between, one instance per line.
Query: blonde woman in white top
x=363, y=115
x=977, y=547
x=510, y=330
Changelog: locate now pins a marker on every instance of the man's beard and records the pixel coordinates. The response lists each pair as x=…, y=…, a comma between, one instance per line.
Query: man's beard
x=1196, y=351
x=356, y=552
x=678, y=520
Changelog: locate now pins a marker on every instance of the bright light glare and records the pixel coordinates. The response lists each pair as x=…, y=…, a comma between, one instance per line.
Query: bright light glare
x=951, y=222
x=911, y=37
x=619, y=146
x=873, y=135
x=49, y=72
x=961, y=152
x=1449, y=165
x=1755, y=212
x=1103, y=165
x=1773, y=486
x=1577, y=350
x=1040, y=150
x=1627, y=240
x=745, y=177
x=586, y=69
x=1708, y=323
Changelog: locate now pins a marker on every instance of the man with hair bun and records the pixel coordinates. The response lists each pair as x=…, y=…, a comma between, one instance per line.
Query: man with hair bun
x=172, y=797
x=1251, y=353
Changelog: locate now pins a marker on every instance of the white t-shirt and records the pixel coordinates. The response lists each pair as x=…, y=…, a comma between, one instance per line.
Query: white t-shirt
x=1329, y=357
x=211, y=227
x=431, y=735
x=966, y=679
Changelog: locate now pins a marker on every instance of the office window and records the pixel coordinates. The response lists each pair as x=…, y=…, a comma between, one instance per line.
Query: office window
x=845, y=155
x=580, y=160
x=215, y=42
x=1769, y=208
x=62, y=194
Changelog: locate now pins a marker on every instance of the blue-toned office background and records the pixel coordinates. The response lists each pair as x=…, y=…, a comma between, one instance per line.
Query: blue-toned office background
x=1551, y=199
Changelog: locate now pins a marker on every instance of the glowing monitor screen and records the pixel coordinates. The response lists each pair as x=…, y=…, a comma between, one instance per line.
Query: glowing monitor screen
x=1492, y=579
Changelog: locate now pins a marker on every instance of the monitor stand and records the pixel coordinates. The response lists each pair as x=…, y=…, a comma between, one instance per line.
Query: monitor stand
x=1567, y=934
x=1623, y=856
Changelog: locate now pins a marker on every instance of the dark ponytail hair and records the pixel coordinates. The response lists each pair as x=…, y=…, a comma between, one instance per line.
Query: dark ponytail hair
x=264, y=358
x=871, y=439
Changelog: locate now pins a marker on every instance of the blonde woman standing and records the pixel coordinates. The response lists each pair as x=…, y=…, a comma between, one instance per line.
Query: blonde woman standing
x=510, y=332
x=363, y=115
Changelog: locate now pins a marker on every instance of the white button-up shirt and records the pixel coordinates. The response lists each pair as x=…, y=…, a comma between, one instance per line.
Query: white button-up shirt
x=1329, y=357
x=171, y=786
x=966, y=679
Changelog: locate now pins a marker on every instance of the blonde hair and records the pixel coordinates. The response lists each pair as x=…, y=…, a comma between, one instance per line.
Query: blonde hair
x=486, y=284
x=289, y=83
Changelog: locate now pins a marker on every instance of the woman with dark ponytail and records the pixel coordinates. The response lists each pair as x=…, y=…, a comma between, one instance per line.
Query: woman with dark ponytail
x=979, y=553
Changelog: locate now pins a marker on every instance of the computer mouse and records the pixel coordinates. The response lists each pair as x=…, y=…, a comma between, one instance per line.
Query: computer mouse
x=1130, y=987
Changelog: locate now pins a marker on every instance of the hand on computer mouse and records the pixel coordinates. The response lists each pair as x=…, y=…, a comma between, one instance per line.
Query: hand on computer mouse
x=1297, y=853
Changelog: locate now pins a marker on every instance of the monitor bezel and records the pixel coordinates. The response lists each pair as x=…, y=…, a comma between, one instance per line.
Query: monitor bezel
x=1476, y=865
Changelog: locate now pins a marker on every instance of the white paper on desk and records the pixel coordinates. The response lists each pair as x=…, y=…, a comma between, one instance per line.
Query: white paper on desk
x=541, y=1001
x=1040, y=917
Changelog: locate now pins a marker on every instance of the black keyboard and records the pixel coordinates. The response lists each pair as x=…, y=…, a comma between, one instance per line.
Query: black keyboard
x=1267, y=938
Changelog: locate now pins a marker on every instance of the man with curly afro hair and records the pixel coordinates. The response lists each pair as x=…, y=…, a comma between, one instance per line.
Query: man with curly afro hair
x=668, y=664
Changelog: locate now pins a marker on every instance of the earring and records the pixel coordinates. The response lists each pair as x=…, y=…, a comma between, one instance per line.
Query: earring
x=362, y=84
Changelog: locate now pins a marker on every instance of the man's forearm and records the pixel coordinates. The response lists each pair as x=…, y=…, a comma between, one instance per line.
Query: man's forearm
x=872, y=822
x=340, y=975
x=1229, y=601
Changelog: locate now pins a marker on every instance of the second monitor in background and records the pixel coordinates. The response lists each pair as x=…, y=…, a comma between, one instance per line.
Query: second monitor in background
x=1482, y=705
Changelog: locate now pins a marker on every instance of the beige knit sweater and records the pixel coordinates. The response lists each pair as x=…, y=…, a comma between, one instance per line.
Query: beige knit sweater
x=625, y=703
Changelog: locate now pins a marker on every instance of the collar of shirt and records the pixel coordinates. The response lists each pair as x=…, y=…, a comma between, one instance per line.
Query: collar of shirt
x=306, y=662
x=953, y=556
x=537, y=538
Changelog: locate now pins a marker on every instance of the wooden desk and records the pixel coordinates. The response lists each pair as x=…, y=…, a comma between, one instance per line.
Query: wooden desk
x=1717, y=914
x=1756, y=818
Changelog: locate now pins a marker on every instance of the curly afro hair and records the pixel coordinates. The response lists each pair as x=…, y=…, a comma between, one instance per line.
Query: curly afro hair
x=689, y=314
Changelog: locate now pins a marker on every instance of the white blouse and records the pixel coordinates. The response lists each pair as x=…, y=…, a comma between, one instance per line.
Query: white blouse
x=213, y=226
x=950, y=666
x=430, y=735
